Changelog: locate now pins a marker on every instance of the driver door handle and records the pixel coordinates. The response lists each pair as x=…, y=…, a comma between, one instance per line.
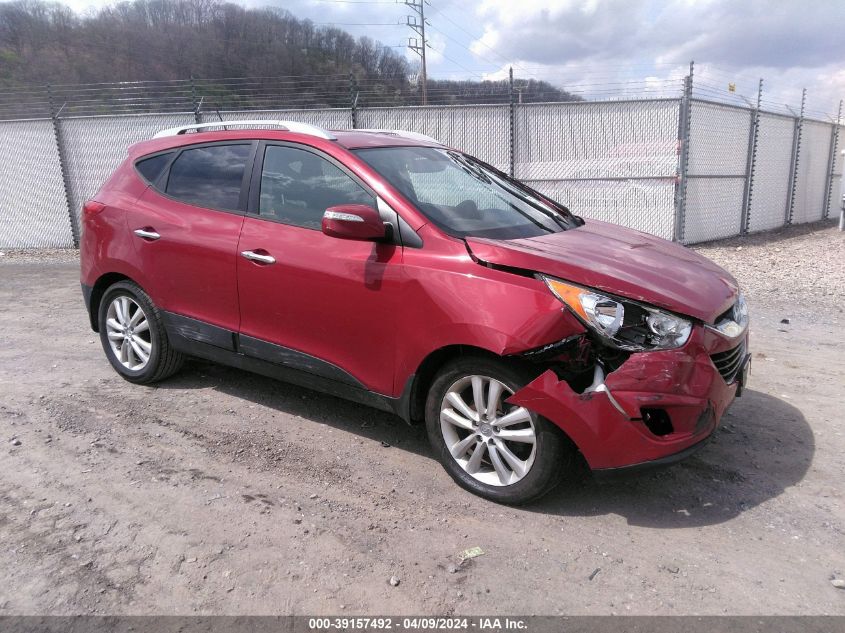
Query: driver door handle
x=258, y=257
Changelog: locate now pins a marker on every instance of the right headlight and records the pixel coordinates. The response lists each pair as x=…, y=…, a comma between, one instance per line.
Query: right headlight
x=733, y=323
x=622, y=324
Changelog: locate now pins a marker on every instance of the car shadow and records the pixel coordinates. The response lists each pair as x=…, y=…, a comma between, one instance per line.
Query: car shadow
x=290, y=399
x=763, y=446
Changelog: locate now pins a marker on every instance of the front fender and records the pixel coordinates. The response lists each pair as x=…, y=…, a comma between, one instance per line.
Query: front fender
x=503, y=317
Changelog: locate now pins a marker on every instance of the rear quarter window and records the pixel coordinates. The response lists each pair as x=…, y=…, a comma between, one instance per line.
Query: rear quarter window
x=152, y=168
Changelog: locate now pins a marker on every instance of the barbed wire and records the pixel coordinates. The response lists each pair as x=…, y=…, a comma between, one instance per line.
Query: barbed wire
x=338, y=90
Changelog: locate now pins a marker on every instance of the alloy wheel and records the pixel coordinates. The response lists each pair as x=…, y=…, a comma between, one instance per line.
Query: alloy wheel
x=128, y=332
x=493, y=442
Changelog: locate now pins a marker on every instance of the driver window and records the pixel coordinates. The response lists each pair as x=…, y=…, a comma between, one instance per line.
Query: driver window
x=297, y=186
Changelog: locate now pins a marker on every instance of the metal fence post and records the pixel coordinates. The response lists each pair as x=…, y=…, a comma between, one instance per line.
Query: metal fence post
x=750, y=163
x=831, y=163
x=197, y=104
x=683, y=156
x=60, y=149
x=353, y=99
x=512, y=115
x=796, y=152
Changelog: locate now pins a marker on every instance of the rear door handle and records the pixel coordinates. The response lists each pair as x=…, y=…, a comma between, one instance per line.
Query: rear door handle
x=258, y=257
x=147, y=234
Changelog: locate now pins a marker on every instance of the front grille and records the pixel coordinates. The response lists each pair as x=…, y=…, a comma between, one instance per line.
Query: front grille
x=728, y=363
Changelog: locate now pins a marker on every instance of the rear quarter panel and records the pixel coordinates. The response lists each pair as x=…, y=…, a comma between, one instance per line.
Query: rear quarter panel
x=105, y=244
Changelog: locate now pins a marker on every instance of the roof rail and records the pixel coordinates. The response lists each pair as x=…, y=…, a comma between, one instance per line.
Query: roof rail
x=416, y=136
x=289, y=126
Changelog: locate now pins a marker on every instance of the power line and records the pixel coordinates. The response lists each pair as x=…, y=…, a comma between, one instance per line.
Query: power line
x=356, y=23
x=483, y=43
x=358, y=1
x=456, y=63
x=525, y=69
x=449, y=37
x=446, y=57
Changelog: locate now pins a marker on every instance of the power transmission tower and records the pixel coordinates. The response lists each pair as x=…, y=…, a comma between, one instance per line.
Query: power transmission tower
x=417, y=23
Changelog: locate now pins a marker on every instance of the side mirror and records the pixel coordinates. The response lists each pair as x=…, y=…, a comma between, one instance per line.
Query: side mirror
x=353, y=222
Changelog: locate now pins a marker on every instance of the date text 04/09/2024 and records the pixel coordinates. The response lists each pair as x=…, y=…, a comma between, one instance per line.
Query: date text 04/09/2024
x=417, y=624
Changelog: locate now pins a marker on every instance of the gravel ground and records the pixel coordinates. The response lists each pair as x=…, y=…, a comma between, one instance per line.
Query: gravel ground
x=801, y=268
x=32, y=256
x=221, y=492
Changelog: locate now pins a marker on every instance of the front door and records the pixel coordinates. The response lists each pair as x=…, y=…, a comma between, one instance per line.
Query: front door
x=308, y=301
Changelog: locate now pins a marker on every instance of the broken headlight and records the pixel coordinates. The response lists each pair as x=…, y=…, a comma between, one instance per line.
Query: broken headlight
x=620, y=323
x=734, y=321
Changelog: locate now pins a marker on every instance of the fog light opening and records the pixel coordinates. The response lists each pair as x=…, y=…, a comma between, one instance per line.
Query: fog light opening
x=657, y=421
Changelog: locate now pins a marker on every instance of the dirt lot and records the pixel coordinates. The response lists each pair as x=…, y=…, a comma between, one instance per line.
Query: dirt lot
x=220, y=492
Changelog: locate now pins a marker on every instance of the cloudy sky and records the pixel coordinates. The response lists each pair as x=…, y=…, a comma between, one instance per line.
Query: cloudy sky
x=612, y=47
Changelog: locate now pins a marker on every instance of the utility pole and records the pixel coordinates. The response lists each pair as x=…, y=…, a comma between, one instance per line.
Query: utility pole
x=417, y=23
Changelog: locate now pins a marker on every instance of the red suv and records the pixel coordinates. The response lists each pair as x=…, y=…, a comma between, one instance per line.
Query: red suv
x=383, y=267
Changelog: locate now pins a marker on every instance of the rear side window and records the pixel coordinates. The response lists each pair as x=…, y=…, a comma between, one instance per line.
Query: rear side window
x=151, y=168
x=209, y=176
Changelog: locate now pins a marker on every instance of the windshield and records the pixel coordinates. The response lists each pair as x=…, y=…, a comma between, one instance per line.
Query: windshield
x=465, y=197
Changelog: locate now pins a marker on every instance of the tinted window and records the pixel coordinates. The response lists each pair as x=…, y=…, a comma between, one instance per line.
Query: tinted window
x=465, y=197
x=151, y=168
x=298, y=186
x=209, y=176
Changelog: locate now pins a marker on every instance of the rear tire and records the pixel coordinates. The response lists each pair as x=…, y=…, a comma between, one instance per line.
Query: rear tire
x=522, y=455
x=133, y=335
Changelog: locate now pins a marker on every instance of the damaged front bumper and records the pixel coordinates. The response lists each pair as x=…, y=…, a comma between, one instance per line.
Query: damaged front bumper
x=655, y=408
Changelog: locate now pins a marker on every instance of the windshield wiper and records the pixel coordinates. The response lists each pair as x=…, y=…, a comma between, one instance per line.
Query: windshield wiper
x=564, y=218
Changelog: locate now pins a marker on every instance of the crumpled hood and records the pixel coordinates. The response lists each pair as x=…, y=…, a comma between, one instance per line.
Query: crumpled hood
x=621, y=261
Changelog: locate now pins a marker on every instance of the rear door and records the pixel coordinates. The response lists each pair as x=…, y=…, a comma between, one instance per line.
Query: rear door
x=186, y=227
x=319, y=304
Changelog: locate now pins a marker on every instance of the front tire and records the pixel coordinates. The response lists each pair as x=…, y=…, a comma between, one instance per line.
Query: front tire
x=498, y=451
x=133, y=335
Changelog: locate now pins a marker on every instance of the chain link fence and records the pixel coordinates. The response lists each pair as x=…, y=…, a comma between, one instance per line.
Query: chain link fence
x=716, y=172
x=34, y=209
x=813, y=172
x=327, y=118
x=611, y=161
x=483, y=131
x=681, y=168
x=93, y=147
x=768, y=207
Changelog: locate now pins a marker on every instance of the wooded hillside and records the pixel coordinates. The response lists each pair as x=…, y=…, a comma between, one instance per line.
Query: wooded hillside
x=158, y=40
